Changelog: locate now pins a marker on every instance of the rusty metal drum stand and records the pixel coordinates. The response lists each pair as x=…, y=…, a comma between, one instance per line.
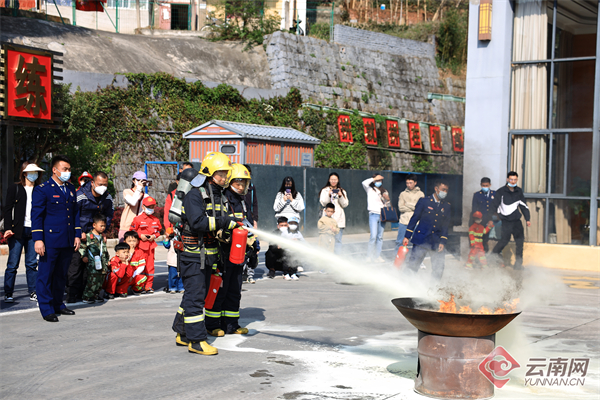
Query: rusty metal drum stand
x=448, y=367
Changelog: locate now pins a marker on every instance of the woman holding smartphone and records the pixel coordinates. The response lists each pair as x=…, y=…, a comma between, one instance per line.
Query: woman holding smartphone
x=288, y=202
x=133, y=200
x=332, y=192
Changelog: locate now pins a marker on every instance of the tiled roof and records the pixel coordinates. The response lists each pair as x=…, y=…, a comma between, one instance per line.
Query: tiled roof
x=253, y=131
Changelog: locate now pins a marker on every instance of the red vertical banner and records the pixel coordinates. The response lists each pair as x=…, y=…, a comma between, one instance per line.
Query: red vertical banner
x=393, y=133
x=28, y=85
x=345, y=129
x=414, y=136
x=436, y=138
x=458, y=139
x=370, y=131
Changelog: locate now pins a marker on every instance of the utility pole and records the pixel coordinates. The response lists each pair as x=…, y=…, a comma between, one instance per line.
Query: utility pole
x=137, y=13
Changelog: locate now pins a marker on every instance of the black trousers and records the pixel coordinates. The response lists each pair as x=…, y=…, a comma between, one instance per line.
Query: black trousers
x=485, y=240
x=275, y=263
x=514, y=228
x=76, y=277
x=189, y=319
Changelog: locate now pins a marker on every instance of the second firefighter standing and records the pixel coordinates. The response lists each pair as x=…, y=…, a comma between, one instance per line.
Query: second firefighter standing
x=222, y=318
x=203, y=216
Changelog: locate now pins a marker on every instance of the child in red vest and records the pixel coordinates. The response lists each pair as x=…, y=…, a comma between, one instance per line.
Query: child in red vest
x=476, y=232
x=117, y=281
x=137, y=263
x=148, y=229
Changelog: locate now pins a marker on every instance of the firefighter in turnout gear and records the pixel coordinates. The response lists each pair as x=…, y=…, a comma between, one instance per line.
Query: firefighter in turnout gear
x=203, y=215
x=222, y=318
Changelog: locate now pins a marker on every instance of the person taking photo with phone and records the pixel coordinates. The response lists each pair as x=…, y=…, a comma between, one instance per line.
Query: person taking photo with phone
x=333, y=193
x=133, y=201
x=288, y=202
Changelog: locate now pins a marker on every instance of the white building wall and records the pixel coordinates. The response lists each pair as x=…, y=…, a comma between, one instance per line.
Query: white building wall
x=101, y=21
x=488, y=102
x=286, y=11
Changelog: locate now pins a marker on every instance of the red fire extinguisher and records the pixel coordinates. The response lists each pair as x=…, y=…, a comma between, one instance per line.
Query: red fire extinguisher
x=215, y=283
x=239, y=238
x=401, y=256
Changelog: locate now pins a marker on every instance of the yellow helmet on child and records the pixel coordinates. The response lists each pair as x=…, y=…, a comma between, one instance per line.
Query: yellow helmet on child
x=240, y=172
x=213, y=162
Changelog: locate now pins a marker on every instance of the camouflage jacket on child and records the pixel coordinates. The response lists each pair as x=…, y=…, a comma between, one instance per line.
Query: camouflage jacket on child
x=92, y=247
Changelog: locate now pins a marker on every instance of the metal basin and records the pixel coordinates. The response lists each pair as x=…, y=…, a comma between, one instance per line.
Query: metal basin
x=420, y=314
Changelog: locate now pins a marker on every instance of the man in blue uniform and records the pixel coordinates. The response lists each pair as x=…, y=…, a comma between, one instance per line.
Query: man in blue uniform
x=56, y=232
x=432, y=214
x=482, y=201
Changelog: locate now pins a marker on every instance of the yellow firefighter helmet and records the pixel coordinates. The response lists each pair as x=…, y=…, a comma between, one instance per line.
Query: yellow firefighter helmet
x=240, y=174
x=213, y=162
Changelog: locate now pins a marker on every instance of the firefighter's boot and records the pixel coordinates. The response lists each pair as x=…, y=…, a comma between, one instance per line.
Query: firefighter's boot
x=202, y=348
x=181, y=340
x=216, y=332
x=241, y=331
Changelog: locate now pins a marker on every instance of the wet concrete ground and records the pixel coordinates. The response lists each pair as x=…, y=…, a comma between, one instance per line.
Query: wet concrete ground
x=316, y=338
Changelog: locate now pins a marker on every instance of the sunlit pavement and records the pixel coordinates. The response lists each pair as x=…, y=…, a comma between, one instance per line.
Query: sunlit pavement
x=316, y=338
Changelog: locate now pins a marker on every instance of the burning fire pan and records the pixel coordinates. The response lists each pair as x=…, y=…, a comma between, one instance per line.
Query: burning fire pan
x=451, y=346
x=420, y=313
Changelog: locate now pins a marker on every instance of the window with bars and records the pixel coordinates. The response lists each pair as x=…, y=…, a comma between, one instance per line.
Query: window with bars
x=552, y=127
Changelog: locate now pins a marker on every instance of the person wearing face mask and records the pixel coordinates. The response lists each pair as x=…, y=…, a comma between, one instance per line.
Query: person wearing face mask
x=432, y=214
x=148, y=229
x=133, y=199
x=92, y=198
x=17, y=220
x=222, y=318
x=377, y=198
x=482, y=201
x=407, y=201
x=509, y=200
x=56, y=231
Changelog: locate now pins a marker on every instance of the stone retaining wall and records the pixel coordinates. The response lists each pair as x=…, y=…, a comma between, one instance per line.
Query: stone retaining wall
x=369, y=40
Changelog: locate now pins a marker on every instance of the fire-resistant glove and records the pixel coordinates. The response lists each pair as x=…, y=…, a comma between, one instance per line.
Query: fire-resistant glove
x=227, y=222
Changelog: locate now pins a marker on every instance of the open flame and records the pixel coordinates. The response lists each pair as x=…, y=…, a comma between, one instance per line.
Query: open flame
x=450, y=307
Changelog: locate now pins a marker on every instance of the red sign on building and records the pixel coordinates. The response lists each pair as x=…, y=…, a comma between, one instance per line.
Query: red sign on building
x=345, y=129
x=393, y=133
x=28, y=85
x=458, y=139
x=90, y=5
x=414, y=136
x=370, y=131
x=435, y=137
